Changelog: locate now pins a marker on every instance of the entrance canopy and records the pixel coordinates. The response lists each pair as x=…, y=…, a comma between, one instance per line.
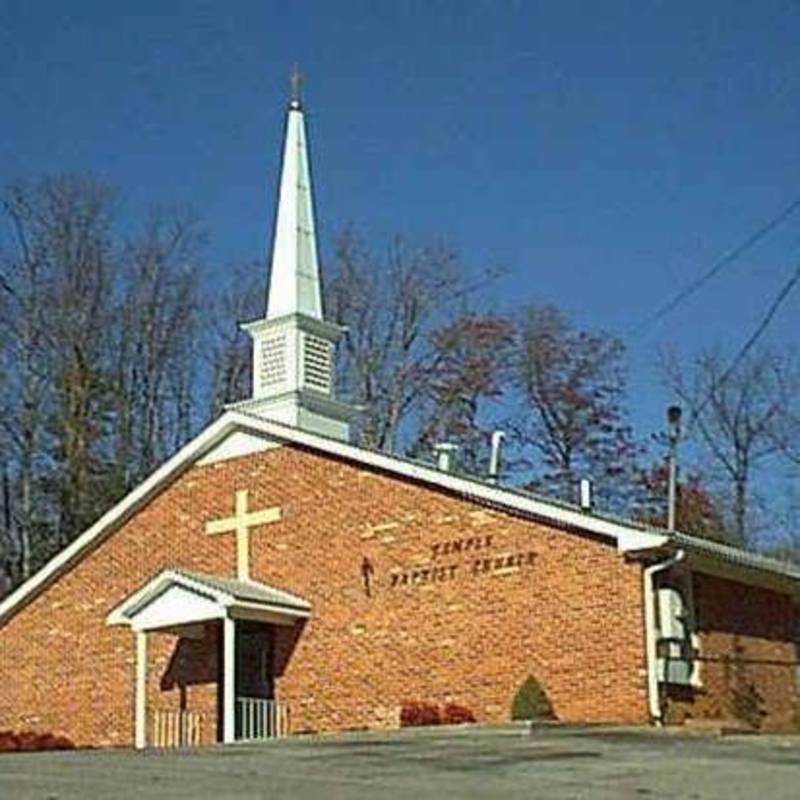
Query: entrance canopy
x=176, y=598
x=177, y=601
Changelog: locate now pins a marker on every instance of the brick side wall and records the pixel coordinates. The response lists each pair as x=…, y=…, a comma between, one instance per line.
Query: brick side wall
x=572, y=617
x=463, y=604
x=748, y=659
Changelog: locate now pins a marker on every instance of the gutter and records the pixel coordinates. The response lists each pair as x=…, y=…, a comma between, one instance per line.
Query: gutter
x=648, y=578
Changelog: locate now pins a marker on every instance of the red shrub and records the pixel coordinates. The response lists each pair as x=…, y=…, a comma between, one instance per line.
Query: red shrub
x=47, y=741
x=51, y=741
x=29, y=741
x=455, y=714
x=63, y=743
x=415, y=714
x=9, y=742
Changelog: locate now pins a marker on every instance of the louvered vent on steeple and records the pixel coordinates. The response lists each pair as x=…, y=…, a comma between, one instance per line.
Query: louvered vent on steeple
x=317, y=363
x=272, y=370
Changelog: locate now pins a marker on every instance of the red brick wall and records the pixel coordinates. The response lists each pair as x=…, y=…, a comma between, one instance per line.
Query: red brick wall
x=564, y=607
x=746, y=644
x=182, y=674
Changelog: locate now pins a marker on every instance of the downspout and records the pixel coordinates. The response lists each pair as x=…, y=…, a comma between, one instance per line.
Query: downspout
x=648, y=577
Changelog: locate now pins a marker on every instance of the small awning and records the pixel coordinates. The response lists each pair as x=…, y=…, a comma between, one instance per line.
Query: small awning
x=175, y=598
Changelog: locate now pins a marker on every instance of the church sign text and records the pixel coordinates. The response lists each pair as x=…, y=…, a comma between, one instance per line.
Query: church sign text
x=480, y=563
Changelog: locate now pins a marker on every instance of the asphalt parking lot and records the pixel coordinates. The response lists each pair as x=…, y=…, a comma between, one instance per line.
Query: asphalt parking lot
x=502, y=762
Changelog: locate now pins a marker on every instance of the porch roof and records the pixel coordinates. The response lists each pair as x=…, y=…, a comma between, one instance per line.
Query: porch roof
x=177, y=597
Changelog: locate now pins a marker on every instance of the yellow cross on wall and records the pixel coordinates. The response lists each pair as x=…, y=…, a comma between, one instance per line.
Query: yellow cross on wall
x=241, y=522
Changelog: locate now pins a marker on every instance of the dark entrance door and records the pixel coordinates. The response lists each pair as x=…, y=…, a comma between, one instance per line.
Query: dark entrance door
x=255, y=654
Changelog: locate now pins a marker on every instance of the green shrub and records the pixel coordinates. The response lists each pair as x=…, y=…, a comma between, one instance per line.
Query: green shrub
x=531, y=701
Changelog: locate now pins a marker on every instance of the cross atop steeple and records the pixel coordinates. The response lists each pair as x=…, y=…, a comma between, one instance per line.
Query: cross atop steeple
x=295, y=84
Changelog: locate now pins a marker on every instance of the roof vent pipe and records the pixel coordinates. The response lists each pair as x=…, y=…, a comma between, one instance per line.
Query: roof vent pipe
x=494, y=460
x=587, y=499
x=446, y=456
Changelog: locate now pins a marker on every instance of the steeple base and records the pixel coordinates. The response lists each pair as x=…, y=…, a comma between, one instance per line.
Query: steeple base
x=305, y=410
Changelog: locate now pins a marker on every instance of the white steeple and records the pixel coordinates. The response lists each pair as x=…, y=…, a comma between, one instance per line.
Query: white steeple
x=293, y=346
x=294, y=280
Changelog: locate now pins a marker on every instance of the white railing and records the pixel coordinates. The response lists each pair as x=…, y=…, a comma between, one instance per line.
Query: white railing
x=260, y=719
x=177, y=728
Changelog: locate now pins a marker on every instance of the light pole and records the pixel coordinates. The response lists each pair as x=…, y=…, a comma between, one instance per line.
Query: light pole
x=673, y=437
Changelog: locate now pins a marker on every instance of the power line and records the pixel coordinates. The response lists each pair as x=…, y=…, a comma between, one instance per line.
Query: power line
x=717, y=267
x=786, y=289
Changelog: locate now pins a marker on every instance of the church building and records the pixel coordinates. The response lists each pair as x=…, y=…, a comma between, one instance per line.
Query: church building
x=273, y=578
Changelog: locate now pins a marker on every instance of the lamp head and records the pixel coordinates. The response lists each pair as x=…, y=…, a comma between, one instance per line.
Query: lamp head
x=674, y=414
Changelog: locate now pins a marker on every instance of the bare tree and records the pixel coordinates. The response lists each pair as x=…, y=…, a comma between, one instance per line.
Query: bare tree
x=26, y=345
x=698, y=509
x=468, y=374
x=786, y=431
x=229, y=355
x=157, y=351
x=390, y=304
x=572, y=421
x=98, y=356
x=73, y=233
x=736, y=415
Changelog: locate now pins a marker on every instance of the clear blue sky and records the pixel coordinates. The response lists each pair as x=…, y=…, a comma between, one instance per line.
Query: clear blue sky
x=603, y=152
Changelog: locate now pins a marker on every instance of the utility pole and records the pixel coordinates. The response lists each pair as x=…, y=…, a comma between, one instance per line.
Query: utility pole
x=673, y=437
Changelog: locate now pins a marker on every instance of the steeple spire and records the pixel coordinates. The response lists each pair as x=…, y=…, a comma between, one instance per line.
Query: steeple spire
x=293, y=346
x=294, y=286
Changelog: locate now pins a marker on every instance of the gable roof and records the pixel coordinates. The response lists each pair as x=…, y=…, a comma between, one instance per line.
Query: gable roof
x=250, y=591
x=628, y=536
x=227, y=595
